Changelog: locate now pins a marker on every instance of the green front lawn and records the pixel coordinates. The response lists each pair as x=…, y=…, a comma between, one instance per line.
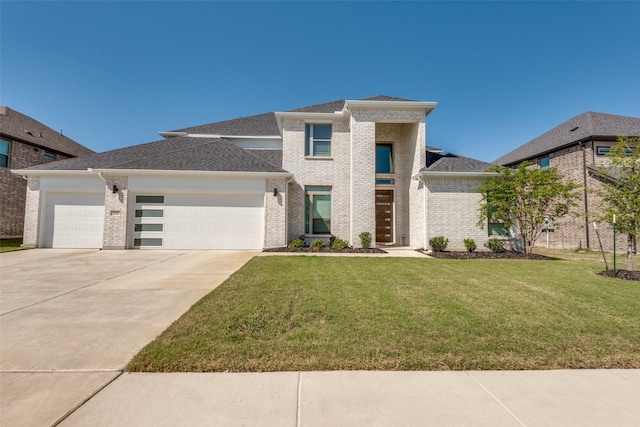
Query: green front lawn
x=291, y=313
x=8, y=245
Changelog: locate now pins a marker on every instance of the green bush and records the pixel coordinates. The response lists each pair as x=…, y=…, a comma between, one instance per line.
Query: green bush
x=297, y=243
x=470, y=245
x=338, y=243
x=317, y=244
x=495, y=245
x=438, y=243
x=365, y=239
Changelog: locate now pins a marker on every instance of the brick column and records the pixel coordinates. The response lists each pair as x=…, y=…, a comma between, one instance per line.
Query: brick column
x=275, y=213
x=115, y=213
x=32, y=213
x=363, y=175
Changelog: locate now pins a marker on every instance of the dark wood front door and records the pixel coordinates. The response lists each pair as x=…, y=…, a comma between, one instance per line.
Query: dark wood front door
x=384, y=216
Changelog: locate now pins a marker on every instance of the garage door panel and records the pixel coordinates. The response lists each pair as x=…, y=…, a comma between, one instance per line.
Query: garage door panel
x=211, y=221
x=74, y=220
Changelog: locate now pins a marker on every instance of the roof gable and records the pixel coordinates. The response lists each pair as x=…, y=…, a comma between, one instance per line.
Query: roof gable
x=258, y=125
x=15, y=125
x=589, y=124
x=437, y=162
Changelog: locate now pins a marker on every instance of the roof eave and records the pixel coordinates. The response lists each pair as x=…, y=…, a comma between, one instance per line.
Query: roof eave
x=423, y=174
x=426, y=106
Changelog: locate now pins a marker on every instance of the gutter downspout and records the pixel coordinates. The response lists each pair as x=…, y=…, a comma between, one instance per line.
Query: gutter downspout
x=584, y=189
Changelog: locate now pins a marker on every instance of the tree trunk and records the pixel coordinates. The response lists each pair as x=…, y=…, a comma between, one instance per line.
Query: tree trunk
x=630, y=252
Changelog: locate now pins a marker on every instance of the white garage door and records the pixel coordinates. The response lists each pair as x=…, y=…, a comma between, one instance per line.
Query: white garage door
x=199, y=221
x=74, y=220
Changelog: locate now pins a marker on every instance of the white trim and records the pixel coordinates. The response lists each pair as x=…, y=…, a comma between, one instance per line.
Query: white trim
x=130, y=172
x=427, y=106
x=426, y=174
x=27, y=172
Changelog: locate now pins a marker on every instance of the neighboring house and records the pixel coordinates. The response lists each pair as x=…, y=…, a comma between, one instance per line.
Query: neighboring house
x=334, y=169
x=577, y=148
x=25, y=142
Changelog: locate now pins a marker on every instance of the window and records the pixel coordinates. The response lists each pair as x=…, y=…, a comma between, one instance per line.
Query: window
x=544, y=163
x=49, y=156
x=4, y=153
x=148, y=241
x=149, y=213
x=496, y=226
x=317, y=140
x=603, y=151
x=384, y=158
x=317, y=210
x=149, y=199
x=148, y=227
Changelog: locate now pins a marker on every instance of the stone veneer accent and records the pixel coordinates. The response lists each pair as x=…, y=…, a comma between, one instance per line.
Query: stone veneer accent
x=275, y=212
x=115, y=212
x=32, y=213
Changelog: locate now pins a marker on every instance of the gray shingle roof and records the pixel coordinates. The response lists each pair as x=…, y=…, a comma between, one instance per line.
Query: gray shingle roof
x=585, y=125
x=258, y=125
x=453, y=163
x=180, y=153
x=15, y=125
x=266, y=124
x=273, y=157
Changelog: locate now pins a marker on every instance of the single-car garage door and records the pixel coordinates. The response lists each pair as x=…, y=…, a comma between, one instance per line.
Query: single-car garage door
x=74, y=220
x=199, y=221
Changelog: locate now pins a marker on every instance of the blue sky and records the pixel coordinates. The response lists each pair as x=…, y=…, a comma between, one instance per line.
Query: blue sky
x=113, y=74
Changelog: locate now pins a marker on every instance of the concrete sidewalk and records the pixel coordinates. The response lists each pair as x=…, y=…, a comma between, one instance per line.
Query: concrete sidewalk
x=366, y=398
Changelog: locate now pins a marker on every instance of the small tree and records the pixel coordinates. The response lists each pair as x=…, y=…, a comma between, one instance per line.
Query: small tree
x=526, y=198
x=622, y=196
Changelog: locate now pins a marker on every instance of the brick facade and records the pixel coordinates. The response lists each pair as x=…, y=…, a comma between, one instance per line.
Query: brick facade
x=115, y=212
x=275, y=213
x=13, y=187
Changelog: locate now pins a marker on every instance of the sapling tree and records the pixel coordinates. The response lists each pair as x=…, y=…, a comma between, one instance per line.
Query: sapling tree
x=622, y=196
x=526, y=198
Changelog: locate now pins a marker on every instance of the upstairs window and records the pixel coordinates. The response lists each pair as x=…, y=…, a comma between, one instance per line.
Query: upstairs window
x=4, y=153
x=384, y=158
x=317, y=210
x=49, y=156
x=544, y=163
x=317, y=140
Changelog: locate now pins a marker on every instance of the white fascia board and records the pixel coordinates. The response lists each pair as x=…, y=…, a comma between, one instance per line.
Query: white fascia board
x=191, y=173
x=426, y=106
x=35, y=172
x=443, y=174
x=202, y=135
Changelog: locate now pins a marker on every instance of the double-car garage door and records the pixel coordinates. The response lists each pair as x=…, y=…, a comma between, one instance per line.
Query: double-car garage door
x=170, y=221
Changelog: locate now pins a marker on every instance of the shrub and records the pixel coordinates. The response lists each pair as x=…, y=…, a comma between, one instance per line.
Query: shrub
x=495, y=245
x=438, y=243
x=338, y=243
x=317, y=244
x=365, y=239
x=297, y=243
x=470, y=245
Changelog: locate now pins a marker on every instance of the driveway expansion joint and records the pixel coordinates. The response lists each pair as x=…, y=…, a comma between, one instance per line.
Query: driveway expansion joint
x=498, y=401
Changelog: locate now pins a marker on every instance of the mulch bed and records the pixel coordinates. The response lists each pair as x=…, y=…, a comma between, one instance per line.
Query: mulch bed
x=622, y=274
x=329, y=250
x=487, y=255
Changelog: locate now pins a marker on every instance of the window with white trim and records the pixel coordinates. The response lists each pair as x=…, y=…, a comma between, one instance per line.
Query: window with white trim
x=317, y=210
x=317, y=140
x=544, y=163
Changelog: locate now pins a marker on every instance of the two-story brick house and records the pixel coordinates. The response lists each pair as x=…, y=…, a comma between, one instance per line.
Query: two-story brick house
x=339, y=168
x=577, y=148
x=25, y=142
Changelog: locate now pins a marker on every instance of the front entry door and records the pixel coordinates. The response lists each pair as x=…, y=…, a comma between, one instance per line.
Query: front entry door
x=384, y=216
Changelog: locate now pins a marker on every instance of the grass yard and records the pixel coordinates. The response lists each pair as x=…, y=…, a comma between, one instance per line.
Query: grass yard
x=289, y=313
x=8, y=245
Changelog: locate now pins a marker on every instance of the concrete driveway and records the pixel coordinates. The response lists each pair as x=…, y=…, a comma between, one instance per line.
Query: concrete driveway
x=70, y=320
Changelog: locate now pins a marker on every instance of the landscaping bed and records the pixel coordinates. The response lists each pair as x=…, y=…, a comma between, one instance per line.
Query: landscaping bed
x=486, y=255
x=622, y=274
x=328, y=249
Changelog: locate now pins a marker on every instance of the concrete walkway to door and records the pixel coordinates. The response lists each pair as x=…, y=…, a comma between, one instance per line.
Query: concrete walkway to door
x=70, y=320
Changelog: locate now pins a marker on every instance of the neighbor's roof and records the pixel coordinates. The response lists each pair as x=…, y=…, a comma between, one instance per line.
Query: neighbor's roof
x=266, y=124
x=585, y=125
x=437, y=162
x=15, y=125
x=179, y=153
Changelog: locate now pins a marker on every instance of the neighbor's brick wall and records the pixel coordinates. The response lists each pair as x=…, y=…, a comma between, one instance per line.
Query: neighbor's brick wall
x=32, y=213
x=452, y=210
x=13, y=187
x=275, y=211
x=115, y=212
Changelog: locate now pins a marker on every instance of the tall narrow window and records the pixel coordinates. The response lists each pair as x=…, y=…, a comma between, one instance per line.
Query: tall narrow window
x=317, y=210
x=317, y=140
x=4, y=153
x=384, y=158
